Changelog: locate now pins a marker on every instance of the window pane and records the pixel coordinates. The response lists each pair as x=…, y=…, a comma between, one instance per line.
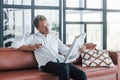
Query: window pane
x=113, y=31
x=94, y=34
x=52, y=17
x=17, y=2
x=113, y=4
x=94, y=3
x=47, y=2
x=75, y=3
x=16, y=22
x=90, y=16
x=73, y=15
x=73, y=30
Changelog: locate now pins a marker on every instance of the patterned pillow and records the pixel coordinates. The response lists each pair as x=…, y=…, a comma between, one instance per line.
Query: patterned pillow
x=96, y=58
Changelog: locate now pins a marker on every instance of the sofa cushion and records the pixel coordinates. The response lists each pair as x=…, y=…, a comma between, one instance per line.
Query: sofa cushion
x=32, y=74
x=11, y=59
x=98, y=71
x=96, y=58
x=35, y=74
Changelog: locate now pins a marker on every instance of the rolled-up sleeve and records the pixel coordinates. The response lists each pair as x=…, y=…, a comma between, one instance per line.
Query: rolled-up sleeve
x=18, y=42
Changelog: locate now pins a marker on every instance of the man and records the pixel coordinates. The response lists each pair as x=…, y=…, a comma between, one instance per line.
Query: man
x=46, y=47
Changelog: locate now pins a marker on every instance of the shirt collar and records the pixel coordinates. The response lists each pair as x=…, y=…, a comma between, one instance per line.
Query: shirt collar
x=38, y=33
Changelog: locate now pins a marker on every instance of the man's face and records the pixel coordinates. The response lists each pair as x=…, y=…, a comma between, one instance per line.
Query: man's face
x=43, y=27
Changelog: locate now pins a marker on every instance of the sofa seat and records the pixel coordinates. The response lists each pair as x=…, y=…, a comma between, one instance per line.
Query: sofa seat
x=97, y=71
x=30, y=74
x=100, y=73
x=36, y=74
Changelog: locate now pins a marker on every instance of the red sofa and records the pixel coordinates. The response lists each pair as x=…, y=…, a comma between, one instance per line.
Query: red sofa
x=21, y=65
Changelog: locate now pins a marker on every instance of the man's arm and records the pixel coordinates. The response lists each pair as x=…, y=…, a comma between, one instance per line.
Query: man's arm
x=63, y=49
x=30, y=47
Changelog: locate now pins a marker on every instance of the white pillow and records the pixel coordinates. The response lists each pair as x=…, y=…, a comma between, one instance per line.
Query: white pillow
x=96, y=58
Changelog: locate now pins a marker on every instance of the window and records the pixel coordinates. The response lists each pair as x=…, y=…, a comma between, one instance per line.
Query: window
x=75, y=3
x=113, y=30
x=82, y=16
x=47, y=2
x=17, y=2
x=94, y=4
x=73, y=30
x=18, y=15
x=68, y=18
x=113, y=4
x=95, y=34
x=17, y=21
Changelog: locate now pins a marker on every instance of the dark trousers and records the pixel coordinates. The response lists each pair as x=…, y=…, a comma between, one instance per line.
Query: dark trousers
x=64, y=71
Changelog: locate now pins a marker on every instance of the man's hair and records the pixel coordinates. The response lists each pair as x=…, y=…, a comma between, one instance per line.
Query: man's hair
x=37, y=19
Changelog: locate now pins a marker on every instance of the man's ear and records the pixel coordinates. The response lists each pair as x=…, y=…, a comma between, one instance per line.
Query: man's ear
x=37, y=28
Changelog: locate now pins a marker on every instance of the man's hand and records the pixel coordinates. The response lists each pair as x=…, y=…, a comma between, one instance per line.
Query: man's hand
x=82, y=48
x=36, y=46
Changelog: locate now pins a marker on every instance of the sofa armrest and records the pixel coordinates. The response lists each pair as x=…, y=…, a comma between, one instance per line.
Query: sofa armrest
x=115, y=56
x=13, y=59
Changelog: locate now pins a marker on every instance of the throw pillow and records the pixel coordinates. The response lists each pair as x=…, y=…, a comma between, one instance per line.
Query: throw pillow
x=96, y=58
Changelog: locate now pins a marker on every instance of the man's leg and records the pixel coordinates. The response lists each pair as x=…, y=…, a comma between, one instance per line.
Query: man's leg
x=60, y=69
x=76, y=73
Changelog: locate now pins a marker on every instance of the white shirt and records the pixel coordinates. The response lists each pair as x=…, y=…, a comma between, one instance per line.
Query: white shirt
x=51, y=46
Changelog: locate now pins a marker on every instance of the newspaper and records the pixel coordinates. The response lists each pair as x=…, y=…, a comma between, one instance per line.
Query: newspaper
x=73, y=52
